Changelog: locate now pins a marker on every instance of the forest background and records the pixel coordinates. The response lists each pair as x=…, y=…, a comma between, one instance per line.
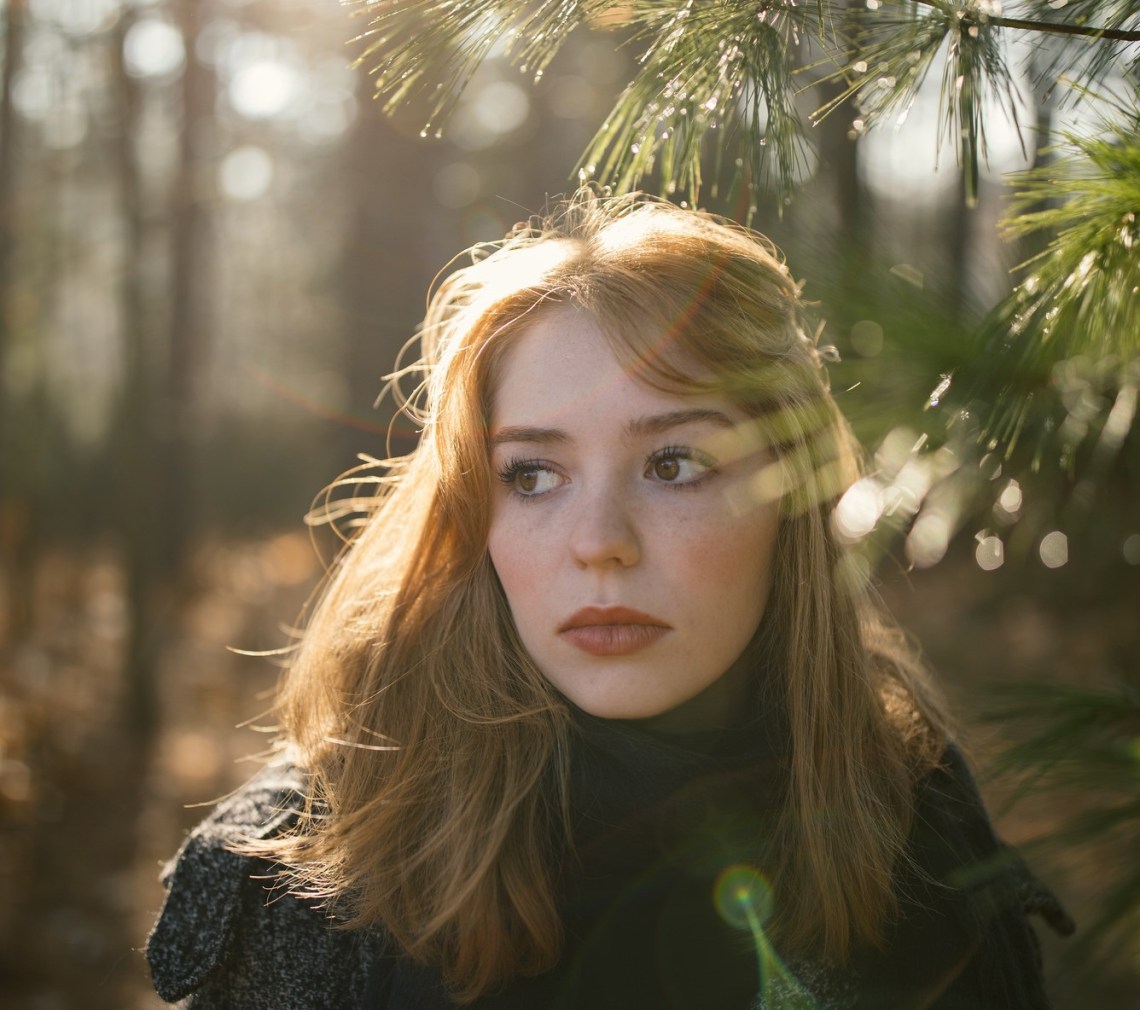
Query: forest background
x=213, y=243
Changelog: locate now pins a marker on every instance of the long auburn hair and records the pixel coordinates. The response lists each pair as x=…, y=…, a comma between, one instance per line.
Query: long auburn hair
x=438, y=753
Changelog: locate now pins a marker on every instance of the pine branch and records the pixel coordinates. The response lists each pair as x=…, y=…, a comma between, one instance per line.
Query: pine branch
x=976, y=14
x=1062, y=28
x=893, y=50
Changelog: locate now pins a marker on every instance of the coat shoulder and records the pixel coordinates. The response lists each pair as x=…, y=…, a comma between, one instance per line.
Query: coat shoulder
x=954, y=841
x=229, y=933
x=963, y=939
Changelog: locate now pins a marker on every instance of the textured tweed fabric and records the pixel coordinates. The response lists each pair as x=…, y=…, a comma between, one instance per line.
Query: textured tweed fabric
x=228, y=937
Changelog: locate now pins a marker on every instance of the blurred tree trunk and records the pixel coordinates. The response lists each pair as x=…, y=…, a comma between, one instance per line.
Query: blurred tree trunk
x=135, y=443
x=959, y=248
x=382, y=264
x=14, y=12
x=17, y=543
x=179, y=418
x=159, y=422
x=839, y=153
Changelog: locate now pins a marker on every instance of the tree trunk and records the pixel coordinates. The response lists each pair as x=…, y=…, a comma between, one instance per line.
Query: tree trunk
x=839, y=155
x=179, y=420
x=383, y=265
x=17, y=539
x=135, y=445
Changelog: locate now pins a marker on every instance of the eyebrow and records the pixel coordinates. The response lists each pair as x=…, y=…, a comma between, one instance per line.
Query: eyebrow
x=654, y=424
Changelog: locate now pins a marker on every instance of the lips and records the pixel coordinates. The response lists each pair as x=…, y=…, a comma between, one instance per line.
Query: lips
x=612, y=631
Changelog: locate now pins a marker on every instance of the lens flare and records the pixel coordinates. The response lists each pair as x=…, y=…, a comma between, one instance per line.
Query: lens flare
x=743, y=897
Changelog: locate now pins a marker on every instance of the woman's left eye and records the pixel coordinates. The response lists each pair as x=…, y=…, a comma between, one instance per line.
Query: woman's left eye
x=678, y=466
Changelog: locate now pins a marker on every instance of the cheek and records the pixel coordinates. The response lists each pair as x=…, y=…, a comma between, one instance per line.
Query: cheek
x=735, y=563
x=516, y=555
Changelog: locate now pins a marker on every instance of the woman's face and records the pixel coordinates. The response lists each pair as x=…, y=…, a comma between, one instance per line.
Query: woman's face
x=625, y=527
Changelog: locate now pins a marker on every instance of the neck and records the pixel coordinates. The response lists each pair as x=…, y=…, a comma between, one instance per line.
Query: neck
x=724, y=704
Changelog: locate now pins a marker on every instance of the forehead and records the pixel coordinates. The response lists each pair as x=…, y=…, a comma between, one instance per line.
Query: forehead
x=562, y=365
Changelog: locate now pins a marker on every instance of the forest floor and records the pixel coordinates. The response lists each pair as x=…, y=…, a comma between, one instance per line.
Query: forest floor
x=89, y=811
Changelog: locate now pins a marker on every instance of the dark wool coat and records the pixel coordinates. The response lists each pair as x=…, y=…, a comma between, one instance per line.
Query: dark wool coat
x=657, y=826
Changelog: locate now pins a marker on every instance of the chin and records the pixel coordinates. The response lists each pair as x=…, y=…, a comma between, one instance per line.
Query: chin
x=620, y=708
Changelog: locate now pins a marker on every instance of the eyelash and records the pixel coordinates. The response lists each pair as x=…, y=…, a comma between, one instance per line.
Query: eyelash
x=683, y=453
x=511, y=469
x=509, y=472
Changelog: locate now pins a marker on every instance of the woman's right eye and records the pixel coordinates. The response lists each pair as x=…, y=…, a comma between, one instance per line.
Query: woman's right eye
x=530, y=478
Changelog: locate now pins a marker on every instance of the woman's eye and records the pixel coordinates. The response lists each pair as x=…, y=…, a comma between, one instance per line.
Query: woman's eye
x=678, y=466
x=529, y=479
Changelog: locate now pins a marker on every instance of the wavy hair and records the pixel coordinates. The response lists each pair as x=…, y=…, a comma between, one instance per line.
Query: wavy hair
x=439, y=753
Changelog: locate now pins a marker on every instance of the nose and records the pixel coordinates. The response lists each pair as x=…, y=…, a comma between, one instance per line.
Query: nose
x=604, y=532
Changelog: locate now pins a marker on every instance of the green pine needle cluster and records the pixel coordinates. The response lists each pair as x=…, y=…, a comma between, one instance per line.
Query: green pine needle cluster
x=721, y=81
x=1087, y=280
x=687, y=86
x=424, y=52
x=1073, y=322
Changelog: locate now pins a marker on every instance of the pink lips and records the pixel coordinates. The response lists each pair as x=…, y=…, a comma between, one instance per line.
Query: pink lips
x=612, y=631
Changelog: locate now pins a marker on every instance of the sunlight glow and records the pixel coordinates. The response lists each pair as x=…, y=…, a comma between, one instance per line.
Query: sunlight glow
x=153, y=48
x=263, y=89
x=858, y=510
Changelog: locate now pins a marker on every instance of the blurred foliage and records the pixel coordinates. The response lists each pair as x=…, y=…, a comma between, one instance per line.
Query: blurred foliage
x=731, y=65
x=1084, y=742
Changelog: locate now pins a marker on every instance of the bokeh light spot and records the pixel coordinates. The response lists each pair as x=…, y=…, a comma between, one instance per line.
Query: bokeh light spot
x=246, y=173
x=1010, y=499
x=989, y=466
x=1054, y=549
x=858, y=510
x=928, y=539
x=491, y=110
x=1131, y=549
x=153, y=48
x=990, y=553
x=502, y=107
x=264, y=89
x=867, y=338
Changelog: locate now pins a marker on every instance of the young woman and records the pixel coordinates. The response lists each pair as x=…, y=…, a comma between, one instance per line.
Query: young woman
x=594, y=712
